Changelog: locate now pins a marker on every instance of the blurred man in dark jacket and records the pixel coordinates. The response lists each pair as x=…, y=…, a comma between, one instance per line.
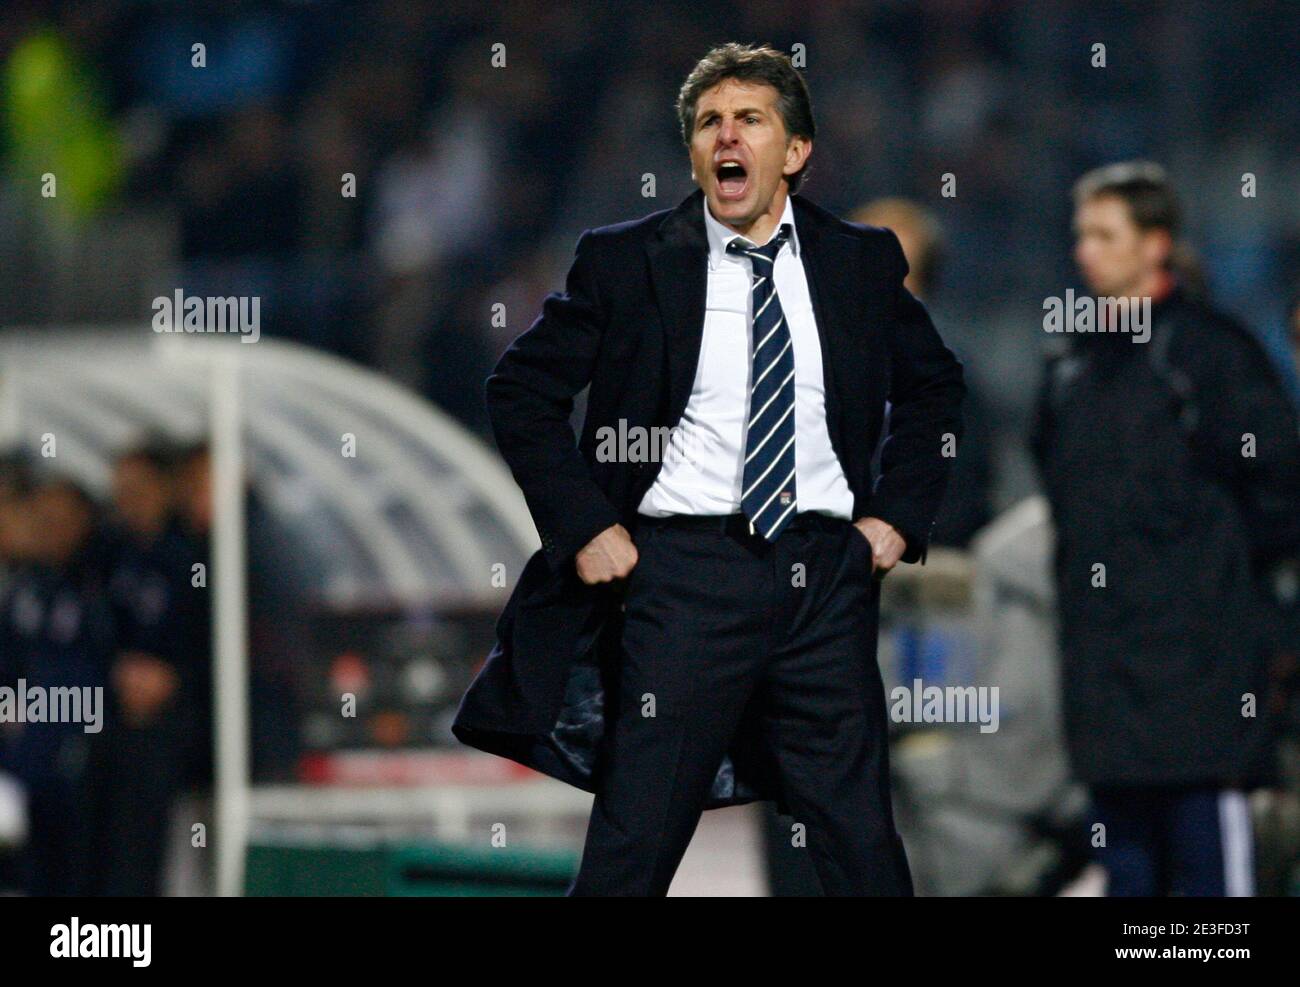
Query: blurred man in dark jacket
x=1171, y=457
x=138, y=771
x=56, y=633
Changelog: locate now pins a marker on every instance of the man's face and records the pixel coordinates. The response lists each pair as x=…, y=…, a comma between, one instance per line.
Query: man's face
x=141, y=495
x=1113, y=255
x=196, y=492
x=64, y=522
x=740, y=151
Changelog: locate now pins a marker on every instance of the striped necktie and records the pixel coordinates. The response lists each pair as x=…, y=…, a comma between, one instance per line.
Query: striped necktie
x=768, y=493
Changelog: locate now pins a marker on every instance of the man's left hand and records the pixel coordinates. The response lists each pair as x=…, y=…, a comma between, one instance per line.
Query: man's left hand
x=887, y=545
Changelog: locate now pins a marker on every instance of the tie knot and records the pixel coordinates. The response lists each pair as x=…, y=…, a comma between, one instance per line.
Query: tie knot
x=768, y=251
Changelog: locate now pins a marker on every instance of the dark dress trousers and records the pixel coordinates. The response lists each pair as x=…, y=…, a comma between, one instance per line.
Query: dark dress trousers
x=563, y=690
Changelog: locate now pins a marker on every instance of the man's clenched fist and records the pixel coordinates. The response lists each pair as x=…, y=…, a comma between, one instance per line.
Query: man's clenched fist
x=887, y=545
x=609, y=556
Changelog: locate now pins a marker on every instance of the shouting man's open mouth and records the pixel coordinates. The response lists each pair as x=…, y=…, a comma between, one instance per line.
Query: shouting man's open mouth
x=733, y=180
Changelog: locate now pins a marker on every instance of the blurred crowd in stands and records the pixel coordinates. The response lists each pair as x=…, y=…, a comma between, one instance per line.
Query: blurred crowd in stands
x=383, y=173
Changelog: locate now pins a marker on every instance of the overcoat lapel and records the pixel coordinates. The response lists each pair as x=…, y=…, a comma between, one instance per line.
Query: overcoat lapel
x=679, y=258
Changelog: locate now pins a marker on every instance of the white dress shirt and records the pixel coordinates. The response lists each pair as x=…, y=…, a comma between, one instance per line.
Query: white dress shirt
x=704, y=462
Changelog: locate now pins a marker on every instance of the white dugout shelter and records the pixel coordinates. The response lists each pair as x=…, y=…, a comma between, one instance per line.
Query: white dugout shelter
x=420, y=513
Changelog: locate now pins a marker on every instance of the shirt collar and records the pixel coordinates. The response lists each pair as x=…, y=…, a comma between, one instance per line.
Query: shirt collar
x=720, y=235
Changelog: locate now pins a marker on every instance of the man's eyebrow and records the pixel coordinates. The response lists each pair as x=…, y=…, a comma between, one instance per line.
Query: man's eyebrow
x=740, y=113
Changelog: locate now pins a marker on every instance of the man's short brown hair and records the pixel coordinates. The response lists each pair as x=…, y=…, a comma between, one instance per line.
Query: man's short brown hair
x=1143, y=186
x=747, y=63
x=897, y=213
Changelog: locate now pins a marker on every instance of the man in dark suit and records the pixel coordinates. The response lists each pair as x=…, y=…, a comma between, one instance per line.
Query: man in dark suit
x=699, y=626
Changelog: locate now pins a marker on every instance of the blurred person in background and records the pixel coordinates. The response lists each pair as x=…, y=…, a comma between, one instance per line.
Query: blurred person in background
x=919, y=234
x=1164, y=517
x=193, y=492
x=140, y=761
x=56, y=631
x=15, y=519
x=1285, y=586
x=275, y=628
x=16, y=548
x=967, y=505
x=1293, y=331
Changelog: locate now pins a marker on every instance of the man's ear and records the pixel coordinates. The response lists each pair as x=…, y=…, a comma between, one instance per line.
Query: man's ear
x=1160, y=245
x=797, y=151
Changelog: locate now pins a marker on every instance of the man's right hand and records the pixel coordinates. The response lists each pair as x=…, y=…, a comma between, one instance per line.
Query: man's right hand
x=609, y=556
x=144, y=684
